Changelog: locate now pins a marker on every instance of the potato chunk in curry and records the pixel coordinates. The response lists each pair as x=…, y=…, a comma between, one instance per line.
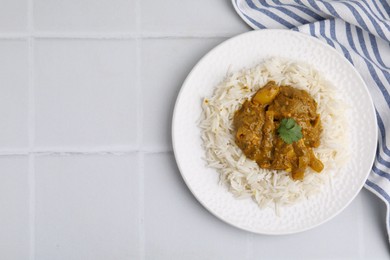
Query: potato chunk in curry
x=257, y=121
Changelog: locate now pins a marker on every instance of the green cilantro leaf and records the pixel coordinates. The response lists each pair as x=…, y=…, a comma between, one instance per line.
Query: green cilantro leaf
x=289, y=130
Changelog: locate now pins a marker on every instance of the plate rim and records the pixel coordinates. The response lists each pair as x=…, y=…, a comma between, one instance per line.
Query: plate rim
x=311, y=38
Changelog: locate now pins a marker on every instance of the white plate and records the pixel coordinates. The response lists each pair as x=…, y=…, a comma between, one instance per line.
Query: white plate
x=245, y=51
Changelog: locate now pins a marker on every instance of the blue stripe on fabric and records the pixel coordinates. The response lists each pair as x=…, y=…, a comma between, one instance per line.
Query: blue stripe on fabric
x=312, y=30
x=370, y=15
x=302, y=9
x=378, y=82
x=357, y=16
x=362, y=42
x=299, y=2
x=259, y=25
x=376, y=50
x=382, y=131
x=333, y=36
x=381, y=160
x=314, y=4
x=371, y=69
x=379, y=190
x=381, y=173
x=373, y=12
x=361, y=21
x=286, y=11
x=378, y=9
x=322, y=32
x=269, y=14
x=386, y=6
x=329, y=7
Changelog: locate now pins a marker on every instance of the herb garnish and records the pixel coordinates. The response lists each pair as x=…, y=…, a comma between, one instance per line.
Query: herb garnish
x=289, y=130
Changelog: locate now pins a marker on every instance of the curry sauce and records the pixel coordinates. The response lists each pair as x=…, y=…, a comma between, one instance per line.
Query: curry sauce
x=257, y=121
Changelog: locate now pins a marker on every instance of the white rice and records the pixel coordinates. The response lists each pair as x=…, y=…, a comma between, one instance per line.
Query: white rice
x=242, y=176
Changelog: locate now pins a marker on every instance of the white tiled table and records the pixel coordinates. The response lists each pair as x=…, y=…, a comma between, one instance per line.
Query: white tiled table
x=87, y=89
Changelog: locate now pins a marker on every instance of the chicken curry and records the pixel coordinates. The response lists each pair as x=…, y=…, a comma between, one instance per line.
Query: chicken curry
x=263, y=125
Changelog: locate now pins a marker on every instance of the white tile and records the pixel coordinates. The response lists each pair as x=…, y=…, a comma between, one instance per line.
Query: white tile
x=336, y=239
x=85, y=93
x=169, y=61
x=189, y=16
x=85, y=16
x=176, y=225
x=13, y=94
x=86, y=207
x=374, y=242
x=13, y=15
x=14, y=208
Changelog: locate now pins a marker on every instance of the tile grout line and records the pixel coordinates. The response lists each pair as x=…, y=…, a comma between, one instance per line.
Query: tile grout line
x=138, y=86
x=31, y=92
x=14, y=36
x=31, y=128
x=113, y=36
x=141, y=205
x=31, y=181
x=61, y=152
x=140, y=113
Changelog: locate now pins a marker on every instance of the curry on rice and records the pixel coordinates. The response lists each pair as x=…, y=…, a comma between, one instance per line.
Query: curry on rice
x=259, y=121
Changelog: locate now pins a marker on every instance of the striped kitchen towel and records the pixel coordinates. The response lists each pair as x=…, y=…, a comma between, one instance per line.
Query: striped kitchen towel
x=360, y=30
